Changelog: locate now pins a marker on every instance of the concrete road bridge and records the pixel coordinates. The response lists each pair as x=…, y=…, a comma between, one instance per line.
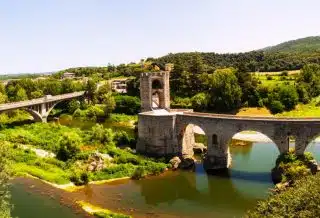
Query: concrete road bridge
x=40, y=108
x=166, y=132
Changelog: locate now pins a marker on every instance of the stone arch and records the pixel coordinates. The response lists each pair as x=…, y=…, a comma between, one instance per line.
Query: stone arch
x=186, y=138
x=310, y=145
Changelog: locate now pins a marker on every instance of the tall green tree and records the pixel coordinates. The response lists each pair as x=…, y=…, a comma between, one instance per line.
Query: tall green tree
x=225, y=92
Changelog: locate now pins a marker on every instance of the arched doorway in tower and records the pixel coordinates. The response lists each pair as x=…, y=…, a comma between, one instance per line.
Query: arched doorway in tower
x=157, y=94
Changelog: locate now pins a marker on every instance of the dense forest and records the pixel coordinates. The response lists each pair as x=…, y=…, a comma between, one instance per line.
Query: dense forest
x=291, y=55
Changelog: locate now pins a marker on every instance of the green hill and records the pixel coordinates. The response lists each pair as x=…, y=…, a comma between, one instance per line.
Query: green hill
x=304, y=45
x=290, y=55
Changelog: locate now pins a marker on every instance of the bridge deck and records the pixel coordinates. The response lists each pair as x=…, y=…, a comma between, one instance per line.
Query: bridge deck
x=37, y=101
x=234, y=117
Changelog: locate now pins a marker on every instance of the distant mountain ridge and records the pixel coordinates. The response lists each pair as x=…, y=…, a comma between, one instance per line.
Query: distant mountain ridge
x=303, y=45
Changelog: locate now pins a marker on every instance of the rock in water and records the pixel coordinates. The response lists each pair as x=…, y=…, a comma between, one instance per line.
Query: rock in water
x=187, y=163
x=175, y=161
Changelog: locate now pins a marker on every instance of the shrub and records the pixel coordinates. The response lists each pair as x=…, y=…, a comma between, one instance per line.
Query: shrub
x=79, y=177
x=69, y=146
x=101, y=135
x=200, y=101
x=284, y=73
x=288, y=96
x=269, y=77
x=276, y=107
x=139, y=173
x=300, y=200
x=127, y=104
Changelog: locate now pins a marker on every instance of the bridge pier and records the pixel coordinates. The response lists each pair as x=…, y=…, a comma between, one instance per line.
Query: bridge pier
x=218, y=154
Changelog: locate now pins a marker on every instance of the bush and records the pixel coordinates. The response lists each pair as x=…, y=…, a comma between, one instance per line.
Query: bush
x=300, y=200
x=139, y=173
x=69, y=146
x=79, y=177
x=288, y=96
x=269, y=77
x=127, y=104
x=276, y=107
x=284, y=73
x=101, y=135
x=200, y=101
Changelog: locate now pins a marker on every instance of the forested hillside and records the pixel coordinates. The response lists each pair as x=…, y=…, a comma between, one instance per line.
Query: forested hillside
x=291, y=55
x=306, y=45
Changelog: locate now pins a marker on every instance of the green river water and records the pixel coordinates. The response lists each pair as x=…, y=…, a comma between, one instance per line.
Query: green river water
x=173, y=194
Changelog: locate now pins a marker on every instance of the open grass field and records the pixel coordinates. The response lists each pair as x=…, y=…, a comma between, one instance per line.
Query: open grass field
x=274, y=80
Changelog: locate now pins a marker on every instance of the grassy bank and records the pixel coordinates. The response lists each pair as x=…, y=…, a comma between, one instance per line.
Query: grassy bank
x=299, y=192
x=74, y=150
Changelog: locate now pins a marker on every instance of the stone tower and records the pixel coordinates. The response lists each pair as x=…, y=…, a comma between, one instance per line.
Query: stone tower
x=155, y=90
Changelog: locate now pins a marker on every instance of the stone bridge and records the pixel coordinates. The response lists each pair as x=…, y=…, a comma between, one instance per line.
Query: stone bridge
x=40, y=108
x=166, y=132
x=169, y=133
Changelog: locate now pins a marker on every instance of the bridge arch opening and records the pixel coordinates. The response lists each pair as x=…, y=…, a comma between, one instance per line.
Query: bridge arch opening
x=254, y=154
x=194, y=140
x=314, y=147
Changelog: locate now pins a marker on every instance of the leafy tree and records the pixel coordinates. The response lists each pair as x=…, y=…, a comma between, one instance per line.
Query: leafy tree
x=36, y=94
x=21, y=95
x=225, y=93
x=200, y=101
x=103, y=90
x=69, y=146
x=101, y=135
x=127, y=104
x=276, y=107
x=73, y=105
x=5, y=209
x=3, y=98
x=288, y=97
x=91, y=88
x=109, y=103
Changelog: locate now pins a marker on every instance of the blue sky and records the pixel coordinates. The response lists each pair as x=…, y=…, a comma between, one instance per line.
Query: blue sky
x=49, y=35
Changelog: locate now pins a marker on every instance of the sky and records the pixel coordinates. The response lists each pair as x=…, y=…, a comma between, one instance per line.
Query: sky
x=51, y=35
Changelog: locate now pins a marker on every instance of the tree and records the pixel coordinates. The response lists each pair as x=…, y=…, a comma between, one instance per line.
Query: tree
x=21, y=94
x=69, y=146
x=200, y=101
x=109, y=103
x=36, y=94
x=276, y=107
x=3, y=98
x=4, y=179
x=288, y=97
x=73, y=105
x=104, y=89
x=91, y=89
x=101, y=135
x=225, y=93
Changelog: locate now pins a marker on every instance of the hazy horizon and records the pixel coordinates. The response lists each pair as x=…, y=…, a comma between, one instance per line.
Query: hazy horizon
x=48, y=36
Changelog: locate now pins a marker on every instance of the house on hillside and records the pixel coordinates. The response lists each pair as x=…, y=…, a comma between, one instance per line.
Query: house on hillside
x=68, y=75
x=119, y=85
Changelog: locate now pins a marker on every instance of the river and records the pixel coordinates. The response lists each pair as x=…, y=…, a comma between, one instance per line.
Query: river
x=173, y=194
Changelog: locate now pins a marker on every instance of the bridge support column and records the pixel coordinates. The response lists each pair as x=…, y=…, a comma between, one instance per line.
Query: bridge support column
x=282, y=143
x=300, y=145
x=218, y=155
